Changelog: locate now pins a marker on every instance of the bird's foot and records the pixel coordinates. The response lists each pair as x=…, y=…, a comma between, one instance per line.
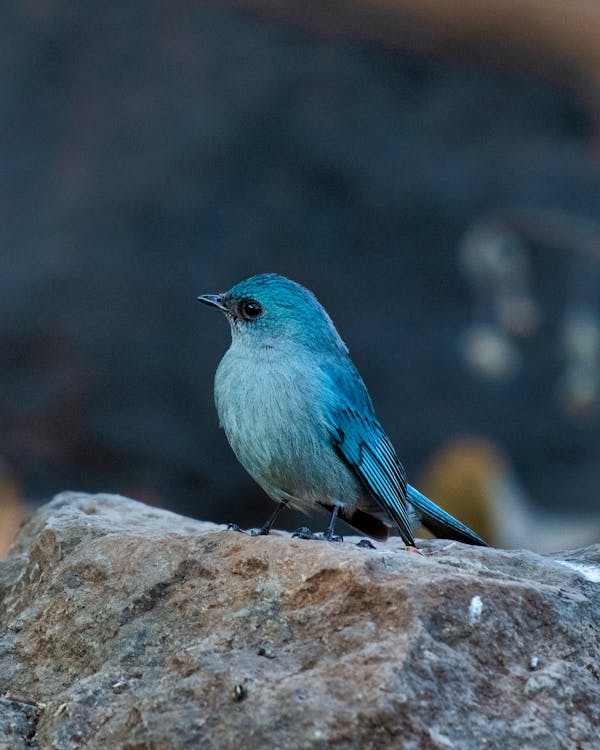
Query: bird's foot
x=329, y=537
x=366, y=544
x=252, y=532
x=260, y=532
x=235, y=527
x=305, y=533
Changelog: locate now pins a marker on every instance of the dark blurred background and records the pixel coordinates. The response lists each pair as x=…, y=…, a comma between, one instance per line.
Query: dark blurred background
x=434, y=178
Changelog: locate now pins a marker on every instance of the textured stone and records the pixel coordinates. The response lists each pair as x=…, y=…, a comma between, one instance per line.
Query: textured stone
x=123, y=626
x=18, y=720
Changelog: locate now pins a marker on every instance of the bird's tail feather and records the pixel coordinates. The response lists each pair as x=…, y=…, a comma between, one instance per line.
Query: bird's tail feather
x=439, y=522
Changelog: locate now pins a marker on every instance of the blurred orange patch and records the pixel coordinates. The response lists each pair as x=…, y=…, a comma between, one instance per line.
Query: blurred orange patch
x=11, y=508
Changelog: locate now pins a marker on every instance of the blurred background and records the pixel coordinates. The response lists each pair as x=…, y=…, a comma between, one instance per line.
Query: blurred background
x=432, y=173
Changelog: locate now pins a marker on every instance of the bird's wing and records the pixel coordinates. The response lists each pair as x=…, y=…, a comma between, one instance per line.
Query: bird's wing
x=361, y=442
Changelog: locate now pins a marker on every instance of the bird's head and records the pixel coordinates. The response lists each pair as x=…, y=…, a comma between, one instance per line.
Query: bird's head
x=268, y=310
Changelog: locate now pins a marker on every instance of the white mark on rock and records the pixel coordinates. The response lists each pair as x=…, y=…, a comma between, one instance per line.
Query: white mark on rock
x=475, y=610
x=587, y=571
x=441, y=740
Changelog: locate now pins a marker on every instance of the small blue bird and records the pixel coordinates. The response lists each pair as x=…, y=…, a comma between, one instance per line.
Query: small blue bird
x=300, y=420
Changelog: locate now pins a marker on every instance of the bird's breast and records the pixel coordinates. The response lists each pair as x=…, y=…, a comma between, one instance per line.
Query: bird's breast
x=270, y=408
x=265, y=399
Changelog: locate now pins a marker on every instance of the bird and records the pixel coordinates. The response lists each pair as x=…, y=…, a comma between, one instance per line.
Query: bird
x=300, y=420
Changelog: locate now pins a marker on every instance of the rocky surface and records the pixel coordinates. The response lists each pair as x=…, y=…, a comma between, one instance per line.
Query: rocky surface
x=123, y=626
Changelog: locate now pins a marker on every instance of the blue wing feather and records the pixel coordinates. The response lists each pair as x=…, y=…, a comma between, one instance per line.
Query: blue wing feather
x=368, y=451
x=361, y=441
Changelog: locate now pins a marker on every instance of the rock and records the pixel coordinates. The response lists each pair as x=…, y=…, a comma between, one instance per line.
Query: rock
x=18, y=720
x=124, y=626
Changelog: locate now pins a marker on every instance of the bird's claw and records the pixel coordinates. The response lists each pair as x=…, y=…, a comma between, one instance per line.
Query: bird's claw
x=366, y=544
x=330, y=537
x=259, y=532
x=235, y=527
x=252, y=532
x=305, y=533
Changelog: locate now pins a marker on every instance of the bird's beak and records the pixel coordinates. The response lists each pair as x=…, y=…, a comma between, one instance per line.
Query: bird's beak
x=214, y=300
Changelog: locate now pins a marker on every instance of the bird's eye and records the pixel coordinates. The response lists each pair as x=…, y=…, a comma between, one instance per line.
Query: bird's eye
x=250, y=309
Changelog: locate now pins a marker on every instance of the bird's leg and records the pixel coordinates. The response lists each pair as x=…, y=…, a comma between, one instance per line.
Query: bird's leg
x=266, y=529
x=328, y=535
x=305, y=533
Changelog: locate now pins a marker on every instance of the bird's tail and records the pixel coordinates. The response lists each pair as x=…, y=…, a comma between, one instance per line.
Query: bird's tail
x=439, y=522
